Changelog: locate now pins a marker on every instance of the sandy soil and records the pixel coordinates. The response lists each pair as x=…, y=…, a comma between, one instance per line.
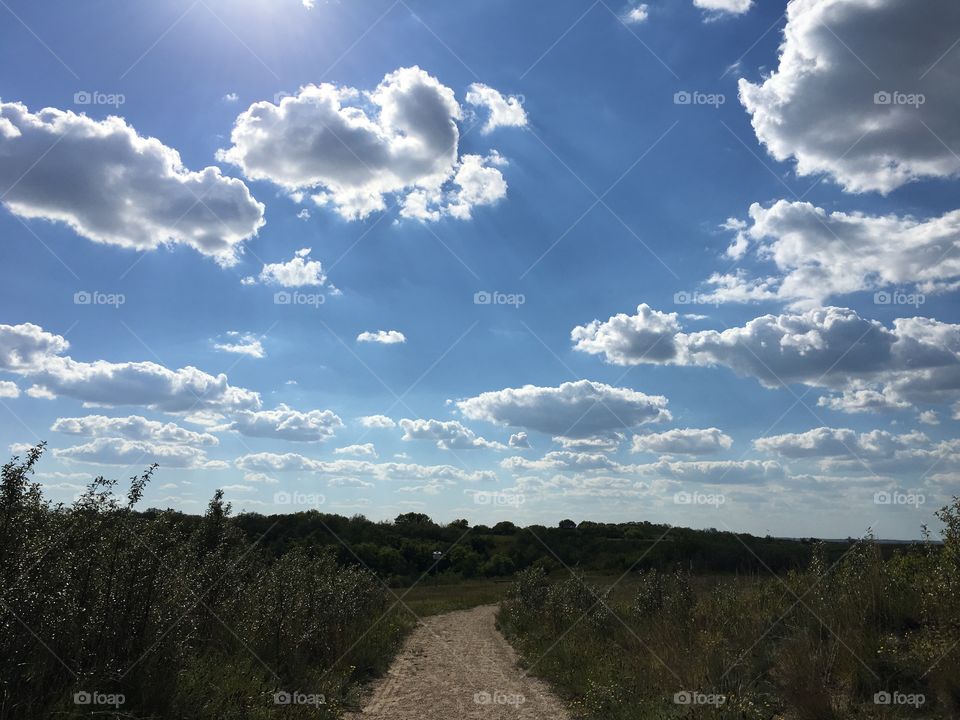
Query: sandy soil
x=457, y=666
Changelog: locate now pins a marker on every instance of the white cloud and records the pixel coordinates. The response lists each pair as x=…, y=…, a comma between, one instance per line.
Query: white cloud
x=133, y=427
x=732, y=7
x=292, y=462
x=237, y=488
x=299, y=271
x=819, y=106
x=283, y=423
x=242, y=344
x=928, y=417
x=40, y=392
x=683, y=441
x=364, y=450
x=503, y=111
x=636, y=14
x=135, y=453
x=353, y=150
x=32, y=352
x=113, y=186
x=574, y=409
x=450, y=435
x=259, y=477
x=377, y=421
x=383, y=337
x=9, y=389
x=231, y=97
x=917, y=361
x=628, y=339
x=833, y=442
x=819, y=254
x=519, y=440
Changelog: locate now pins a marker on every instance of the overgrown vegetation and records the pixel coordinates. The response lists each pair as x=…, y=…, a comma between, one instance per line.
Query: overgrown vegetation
x=177, y=618
x=861, y=637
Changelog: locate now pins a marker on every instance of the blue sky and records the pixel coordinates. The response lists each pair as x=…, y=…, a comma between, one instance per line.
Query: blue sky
x=717, y=239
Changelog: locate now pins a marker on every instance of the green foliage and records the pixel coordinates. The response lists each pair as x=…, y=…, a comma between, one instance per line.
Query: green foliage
x=184, y=617
x=813, y=643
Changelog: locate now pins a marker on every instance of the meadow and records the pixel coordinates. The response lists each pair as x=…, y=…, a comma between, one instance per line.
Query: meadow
x=864, y=636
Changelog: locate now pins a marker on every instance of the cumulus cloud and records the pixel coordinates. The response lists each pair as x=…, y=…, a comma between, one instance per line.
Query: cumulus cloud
x=242, y=344
x=363, y=450
x=30, y=351
x=284, y=423
x=876, y=453
x=299, y=271
x=377, y=421
x=353, y=150
x=731, y=7
x=519, y=440
x=113, y=186
x=292, y=462
x=627, y=339
x=383, y=337
x=132, y=427
x=916, y=361
x=502, y=111
x=683, y=441
x=636, y=14
x=820, y=254
x=9, y=389
x=573, y=409
x=840, y=101
x=449, y=435
x=134, y=453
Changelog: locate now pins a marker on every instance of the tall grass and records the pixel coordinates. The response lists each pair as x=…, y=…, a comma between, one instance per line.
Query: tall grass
x=824, y=643
x=178, y=619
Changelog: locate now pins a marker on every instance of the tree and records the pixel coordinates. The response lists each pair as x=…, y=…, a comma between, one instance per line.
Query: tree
x=568, y=525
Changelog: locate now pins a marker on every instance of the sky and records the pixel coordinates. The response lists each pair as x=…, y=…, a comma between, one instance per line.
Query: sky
x=690, y=262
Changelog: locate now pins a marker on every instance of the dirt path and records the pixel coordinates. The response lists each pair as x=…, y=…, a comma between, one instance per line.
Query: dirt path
x=457, y=666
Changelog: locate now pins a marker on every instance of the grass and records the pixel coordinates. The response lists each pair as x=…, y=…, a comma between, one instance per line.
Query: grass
x=427, y=599
x=814, y=644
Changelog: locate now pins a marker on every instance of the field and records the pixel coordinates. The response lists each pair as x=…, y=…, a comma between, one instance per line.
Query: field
x=107, y=610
